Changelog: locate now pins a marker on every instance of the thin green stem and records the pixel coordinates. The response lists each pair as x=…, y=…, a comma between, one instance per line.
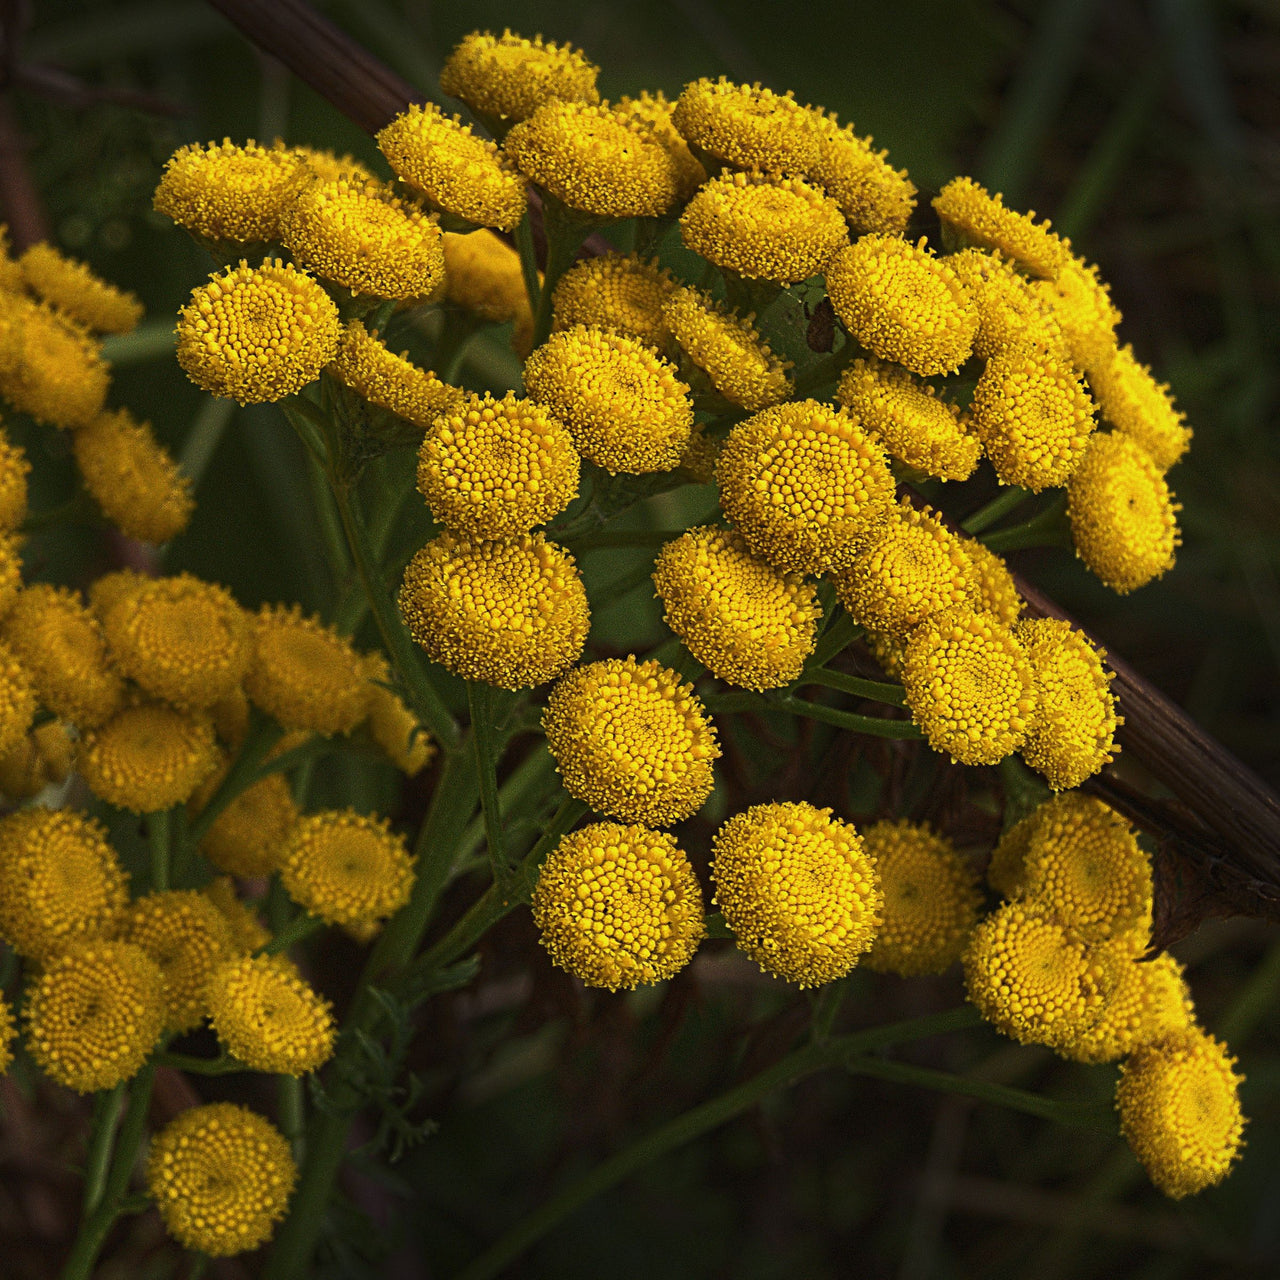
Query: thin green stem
x=242, y=775
x=565, y=234
x=1008, y=499
x=522, y=787
x=293, y=1116
x=161, y=849
x=210, y=425
x=1048, y=528
x=223, y=1066
x=151, y=340
x=892, y=695
x=302, y=926
x=699, y=1120
x=529, y=261
x=107, y=1108
x=876, y=726
x=838, y=636
x=484, y=740
x=825, y=1008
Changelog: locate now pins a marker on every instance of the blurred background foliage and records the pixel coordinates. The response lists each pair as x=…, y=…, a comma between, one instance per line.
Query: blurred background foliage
x=1150, y=132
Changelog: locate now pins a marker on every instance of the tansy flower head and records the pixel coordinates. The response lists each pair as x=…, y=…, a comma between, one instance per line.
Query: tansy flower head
x=60, y=881
x=23, y=770
x=654, y=110
x=871, y=193
x=745, y=621
x=221, y=1177
x=360, y=235
x=132, y=477
x=1139, y=406
x=394, y=727
x=907, y=569
x=114, y=590
x=1033, y=416
x=94, y=1014
x=268, y=1017
x=483, y=276
x=187, y=937
x=764, y=227
x=595, y=160
x=1081, y=307
x=931, y=899
x=1144, y=1000
x=256, y=334
x=17, y=700
x=225, y=192
x=74, y=289
x=631, y=740
x=624, y=404
x=1011, y=311
x=969, y=686
x=1072, y=731
x=347, y=868
x=509, y=77
x=10, y=571
x=391, y=381
x=995, y=590
x=247, y=932
x=902, y=303
x=618, y=906
x=14, y=469
x=60, y=645
x=305, y=674
x=511, y=613
x=1030, y=978
x=1179, y=1105
x=982, y=219
x=728, y=348
x=1123, y=517
x=747, y=125
x=455, y=170
x=912, y=421
x=495, y=468
x=247, y=837
x=148, y=757
x=328, y=165
x=798, y=890
x=803, y=484
x=182, y=639
x=615, y=291
x=8, y=1029
x=52, y=369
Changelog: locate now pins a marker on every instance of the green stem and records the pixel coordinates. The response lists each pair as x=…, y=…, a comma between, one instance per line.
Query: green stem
x=523, y=786
x=876, y=726
x=300, y=927
x=484, y=740
x=161, y=850
x=292, y=1114
x=107, y=1107
x=210, y=425
x=565, y=234
x=699, y=1120
x=242, y=775
x=891, y=694
x=529, y=262
x=825, y=1008
x=1008, y=499
x=838, y=636
x=223, y=1066
x=151, y=340
x=1048, y=528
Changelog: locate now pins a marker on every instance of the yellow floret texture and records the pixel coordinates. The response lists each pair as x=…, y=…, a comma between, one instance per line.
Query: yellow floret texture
x=615, y=291
x=982, y=219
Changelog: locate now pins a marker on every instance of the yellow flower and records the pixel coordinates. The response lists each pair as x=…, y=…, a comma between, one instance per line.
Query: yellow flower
x=495, y=468
x=25, y=770
x=455, y=170
x=247, y=932
x=14, y=469
x=624, y=404
x=1140, y=407
x=871, y=193
x=969, y=686
x=394, y=727
x=360, y=235
x=632, y=741
x=182, y=639
x=906, y=570
x=114, y=589
x=512, y=613
x=997, y=593
x=615, y=291
x=728, y=348
x=931, y=899
x=11, y=280
x=132, y=477
x=347, y=868
x=618, y=906
x=269, y=1018
x=94, y=1014
x=764, y=227
x=1123, y=517
x=8, y=1029
x=327, y=165
x=747, y=125
x=305, y=674
x=74, y=289
x=1033, y=416
x=1072, y=732
x=60, y=881
x=1012, y=312
x=17, y=700
x=60, y=645
x=257, y=334
x=391, y=381
x=1144, y=1000
x=654, y=110
x=798, y=890
x=509, y=77
x=247, y=837
x=221, y=1177
x=187, y=937
x=148, y=757
x=701, y=455
x=1179, y=1104
x=483, y=275
x=913, y=422
x=10, y=571
x=595, y=160
x=902, y=303
x=51, y=368
x=1080, y=305
x=225, y=192
x=981, y=219
x=745, y=621
x=803, y=484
